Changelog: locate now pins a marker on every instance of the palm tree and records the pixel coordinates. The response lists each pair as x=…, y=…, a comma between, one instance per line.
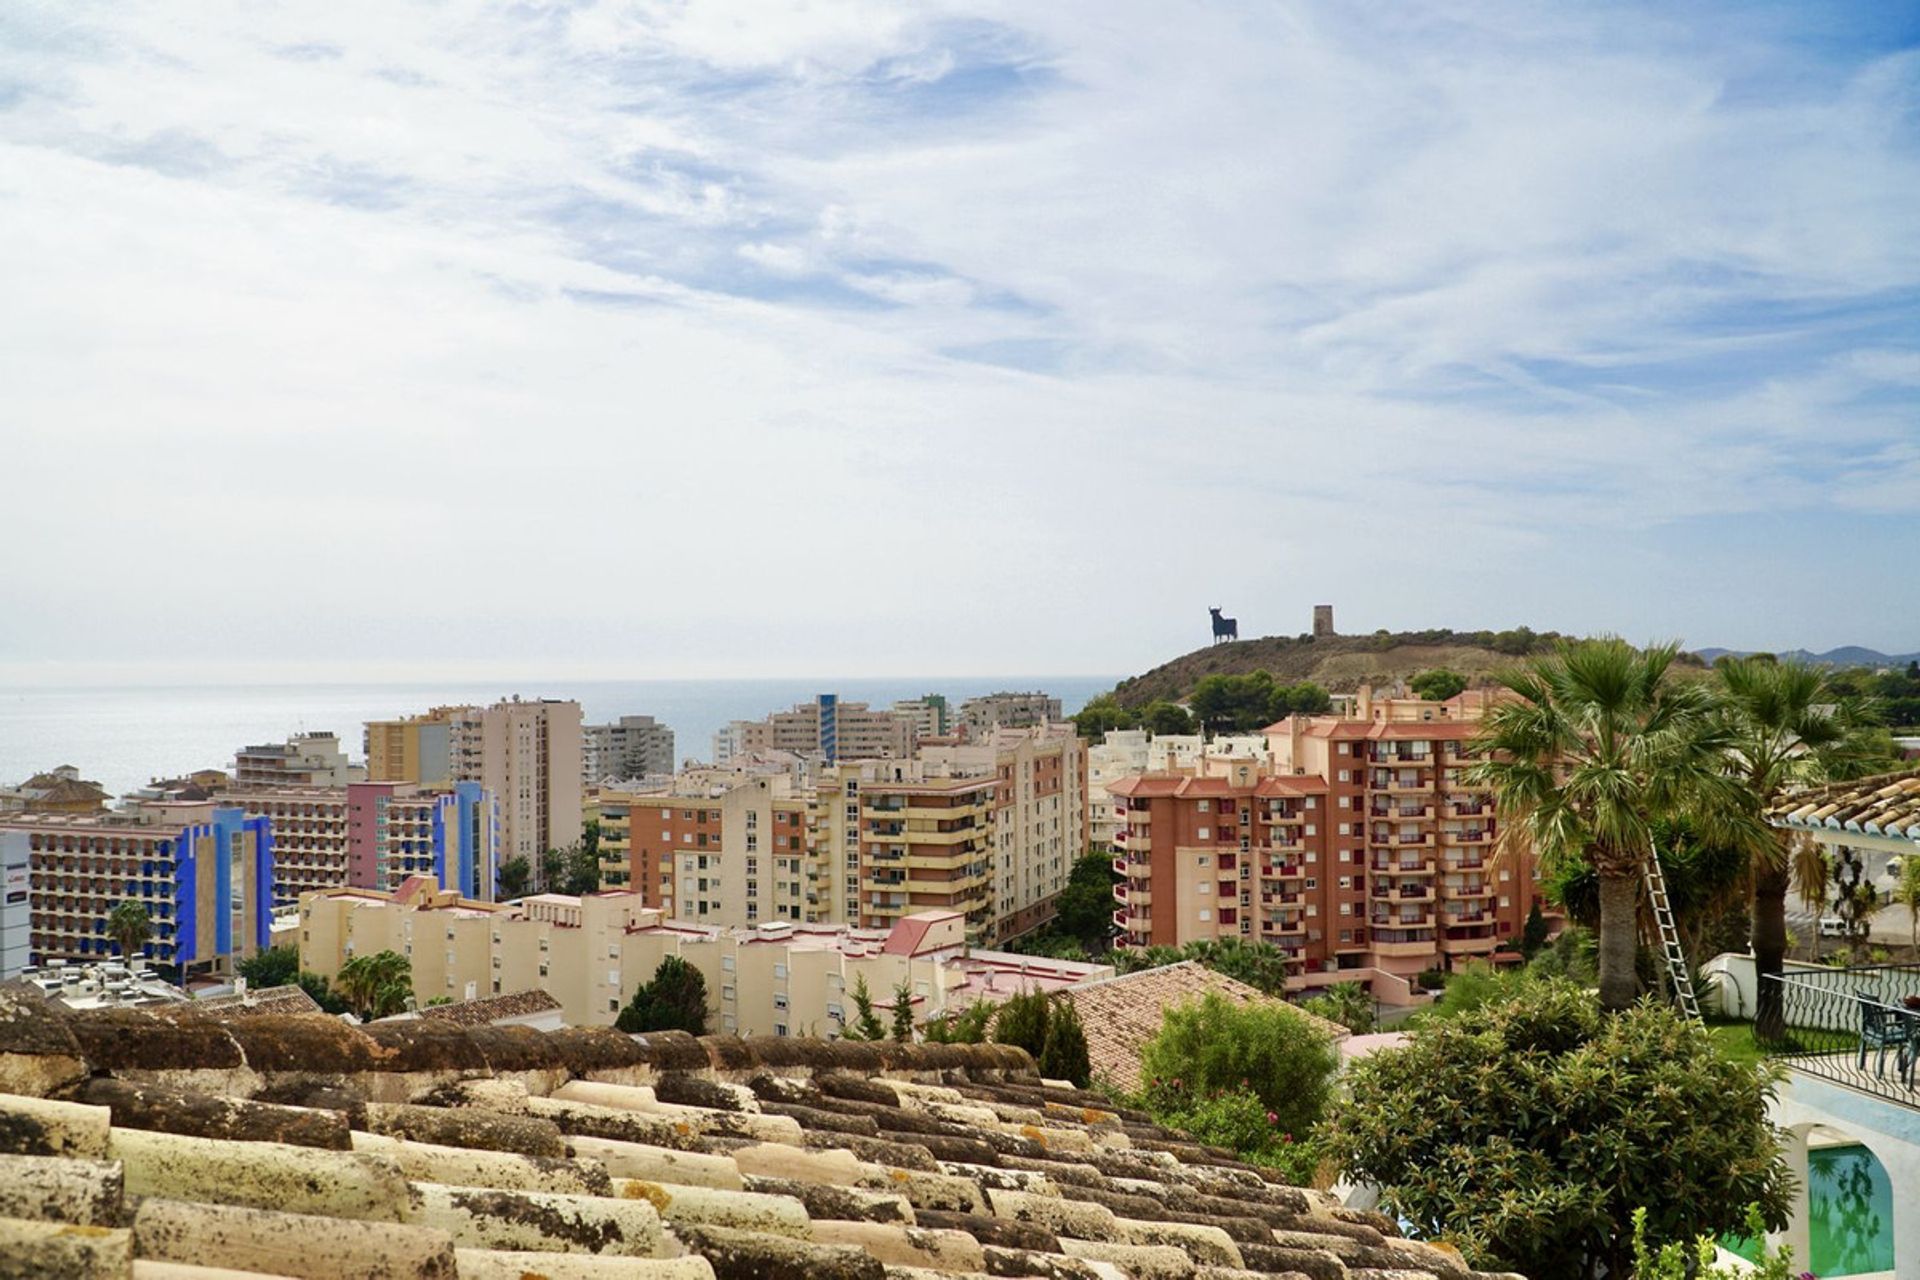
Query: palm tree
x=1812, y=874
x=130, y=928
x=1601, y=741
x=377, y=985
x=1789, y=730
x=1906, y=892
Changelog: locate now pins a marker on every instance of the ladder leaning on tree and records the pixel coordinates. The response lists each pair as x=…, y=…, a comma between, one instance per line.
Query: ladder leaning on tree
x=1675, y=958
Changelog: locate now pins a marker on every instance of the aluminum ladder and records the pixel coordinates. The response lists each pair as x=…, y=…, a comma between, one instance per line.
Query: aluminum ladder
x=1676, y=959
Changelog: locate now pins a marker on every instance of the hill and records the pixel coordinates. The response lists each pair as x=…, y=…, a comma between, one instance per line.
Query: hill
x=1851, y=655
x=1338, y=663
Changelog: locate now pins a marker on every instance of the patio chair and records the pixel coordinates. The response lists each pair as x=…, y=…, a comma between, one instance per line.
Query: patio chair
x=1884, y=1027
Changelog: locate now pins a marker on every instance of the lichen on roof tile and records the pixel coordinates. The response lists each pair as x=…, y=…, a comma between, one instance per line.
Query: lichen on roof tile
x=429, y=1148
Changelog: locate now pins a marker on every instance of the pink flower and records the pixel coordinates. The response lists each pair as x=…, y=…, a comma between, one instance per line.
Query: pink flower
x=1273, y=1118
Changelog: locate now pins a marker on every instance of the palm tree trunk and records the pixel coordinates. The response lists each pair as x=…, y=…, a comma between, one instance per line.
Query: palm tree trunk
x=1770, y=948
x=1619, y=939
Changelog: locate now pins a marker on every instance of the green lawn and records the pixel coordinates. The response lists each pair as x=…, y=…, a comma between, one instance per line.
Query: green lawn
x=1735, y=1039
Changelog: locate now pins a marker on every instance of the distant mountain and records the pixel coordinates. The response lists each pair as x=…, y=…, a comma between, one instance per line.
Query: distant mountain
x=1851, y=655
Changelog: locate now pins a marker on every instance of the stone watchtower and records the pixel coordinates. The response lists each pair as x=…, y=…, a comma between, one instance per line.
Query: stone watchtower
x=1323, y=620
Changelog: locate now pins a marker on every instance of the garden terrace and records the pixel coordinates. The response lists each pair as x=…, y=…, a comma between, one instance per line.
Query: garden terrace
x=1854, y=1027
x=135, y=1145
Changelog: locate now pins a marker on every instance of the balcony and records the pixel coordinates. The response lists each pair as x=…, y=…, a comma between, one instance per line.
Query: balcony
x=1852, y=1027
x=1469, y=946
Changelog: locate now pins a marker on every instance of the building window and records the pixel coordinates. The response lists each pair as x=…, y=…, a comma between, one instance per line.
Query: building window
x=1205, y=915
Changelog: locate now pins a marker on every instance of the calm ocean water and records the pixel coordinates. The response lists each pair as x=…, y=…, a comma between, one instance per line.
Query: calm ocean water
x=123, y=737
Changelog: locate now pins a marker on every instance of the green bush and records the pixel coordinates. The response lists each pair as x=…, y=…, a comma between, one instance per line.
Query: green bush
x=1672, y=1261
x=1438, y=684
x=1064, y=1056
x=676, y=1000
x=1215, y=1046
x=1346, y=1003
x=969, y=1026
x=1023, y=1022
x=273, y=967
x=1527, y=1131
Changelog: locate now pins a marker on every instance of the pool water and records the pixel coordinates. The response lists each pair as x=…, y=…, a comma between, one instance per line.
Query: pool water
x=1849, y=1214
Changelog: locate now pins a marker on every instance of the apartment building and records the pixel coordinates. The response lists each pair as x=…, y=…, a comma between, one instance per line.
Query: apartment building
x=1121, y=753
x=1361, y=851
x=203, y=872
x=526, y=753
x=989, y=829
x=1008, y=710
x=1039, y=816
x=630, y=747
x=591, y=953
x=726, y=850
x=375, y=835
x=929, y=713
x=826, y=727
x=304, y=760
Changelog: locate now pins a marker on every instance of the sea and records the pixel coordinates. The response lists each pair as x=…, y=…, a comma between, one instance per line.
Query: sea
x=125, y=736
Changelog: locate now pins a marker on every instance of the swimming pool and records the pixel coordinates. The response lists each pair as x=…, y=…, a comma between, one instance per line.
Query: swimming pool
x=1849, y=1214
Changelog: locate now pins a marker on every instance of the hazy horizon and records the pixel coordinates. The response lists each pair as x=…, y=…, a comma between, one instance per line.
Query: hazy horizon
x=654, y=340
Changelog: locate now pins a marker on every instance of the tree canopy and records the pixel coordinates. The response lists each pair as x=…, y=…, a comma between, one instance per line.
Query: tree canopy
x=1064, y=1054
x=128, y=926
x=675, y=1000
x=1526, y=1132
x=1438, y=684
x=377, y=985
x=1600, y=742
x=1246, y=704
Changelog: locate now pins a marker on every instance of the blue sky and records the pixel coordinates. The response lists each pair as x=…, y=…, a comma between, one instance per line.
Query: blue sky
x=665, y=339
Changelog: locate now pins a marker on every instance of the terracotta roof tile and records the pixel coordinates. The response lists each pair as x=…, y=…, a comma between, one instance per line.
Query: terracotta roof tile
x=490, y=1009
x=1121, y=1014
x=1887, y=805
x=304, y=1146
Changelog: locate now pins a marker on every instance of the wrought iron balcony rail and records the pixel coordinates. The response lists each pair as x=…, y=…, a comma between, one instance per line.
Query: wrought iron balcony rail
x=1857, y=1026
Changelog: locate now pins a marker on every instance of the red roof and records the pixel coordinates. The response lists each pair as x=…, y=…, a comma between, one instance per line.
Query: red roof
x=1328, y=727
x=907, y=934
x=1185, y=786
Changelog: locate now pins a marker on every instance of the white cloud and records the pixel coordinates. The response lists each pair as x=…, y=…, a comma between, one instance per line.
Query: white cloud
x=841, y=337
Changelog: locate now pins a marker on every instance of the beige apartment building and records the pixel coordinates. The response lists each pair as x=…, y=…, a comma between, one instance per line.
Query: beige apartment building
x=980, y=716
x=527, y=753
x=825, y=727
x=591, y=953
x=1361, y=851
x=1039, y=817
x=630, y=747
x=304, y=760
x=988, y=829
